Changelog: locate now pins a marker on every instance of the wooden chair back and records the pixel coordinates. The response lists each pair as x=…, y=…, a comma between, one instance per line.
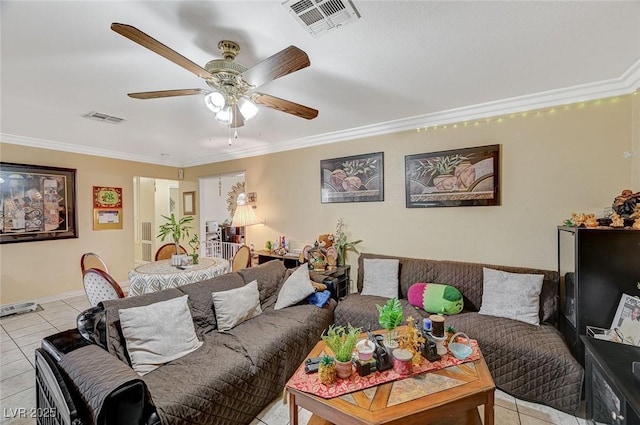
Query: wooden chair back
x=100, y=286
x=242, y=258
x=167, y=250
x=91, y=260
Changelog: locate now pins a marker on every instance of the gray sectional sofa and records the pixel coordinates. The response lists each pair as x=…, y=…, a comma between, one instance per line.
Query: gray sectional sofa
x=530, y=362
x=227, y=381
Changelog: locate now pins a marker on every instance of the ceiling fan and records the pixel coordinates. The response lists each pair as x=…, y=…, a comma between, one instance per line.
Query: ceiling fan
x=231, y=96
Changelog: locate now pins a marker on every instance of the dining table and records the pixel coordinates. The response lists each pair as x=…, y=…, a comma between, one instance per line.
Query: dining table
x=158, y=275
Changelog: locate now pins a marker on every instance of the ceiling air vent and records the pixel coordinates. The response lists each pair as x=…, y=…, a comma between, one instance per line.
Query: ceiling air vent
x=320, y=16
x=97, y=116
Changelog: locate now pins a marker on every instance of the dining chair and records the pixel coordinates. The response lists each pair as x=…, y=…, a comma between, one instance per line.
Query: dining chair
x=242, y=258
x=100, y=286
x=167, y=250
x=90, y=260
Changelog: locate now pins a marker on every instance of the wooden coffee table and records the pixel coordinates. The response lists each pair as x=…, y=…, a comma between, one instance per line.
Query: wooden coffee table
x=444, y=397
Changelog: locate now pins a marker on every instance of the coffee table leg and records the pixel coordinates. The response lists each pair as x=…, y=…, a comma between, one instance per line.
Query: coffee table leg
x=293, y=410
x=488, y=409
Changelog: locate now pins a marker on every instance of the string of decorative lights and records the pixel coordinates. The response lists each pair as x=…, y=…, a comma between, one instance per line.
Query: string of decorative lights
x=524, y=114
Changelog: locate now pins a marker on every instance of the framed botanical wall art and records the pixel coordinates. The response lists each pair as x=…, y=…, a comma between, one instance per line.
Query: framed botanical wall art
x=37, y=203
x=358, y=178
x=453, y=178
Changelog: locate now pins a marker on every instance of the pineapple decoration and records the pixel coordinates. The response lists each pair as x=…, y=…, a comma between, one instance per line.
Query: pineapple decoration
x=411, y=340
x=327, y=370
x=448, y=333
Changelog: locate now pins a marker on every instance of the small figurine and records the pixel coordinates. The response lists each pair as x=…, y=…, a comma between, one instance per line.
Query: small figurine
x=591, y=220
x=616, y=220
x=411, y=340
x=578, y=218
x=636, y=216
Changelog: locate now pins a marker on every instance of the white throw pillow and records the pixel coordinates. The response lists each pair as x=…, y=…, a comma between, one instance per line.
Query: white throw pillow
x=234, y=306
x=512, y=295
x=296, y=288
x=380, y=277
x=158, y=333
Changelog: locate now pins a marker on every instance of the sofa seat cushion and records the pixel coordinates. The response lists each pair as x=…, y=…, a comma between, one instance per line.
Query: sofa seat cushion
x=360, y=311
x=280, y=339
x=214, y=384
x=529, y=362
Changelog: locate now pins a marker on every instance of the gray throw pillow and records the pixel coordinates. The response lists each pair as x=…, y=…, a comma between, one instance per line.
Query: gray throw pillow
x=511, y=295
x=158, y=333
x=380, y=277
x=296, y=288
x=236, y=305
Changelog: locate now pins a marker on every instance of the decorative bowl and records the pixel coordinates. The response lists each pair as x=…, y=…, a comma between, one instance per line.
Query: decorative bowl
x=460, y=350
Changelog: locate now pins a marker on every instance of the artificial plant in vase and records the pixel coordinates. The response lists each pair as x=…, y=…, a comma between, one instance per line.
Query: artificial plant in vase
x=177, y=229
x=390, y=318
x=342, y=341
x=342, y=245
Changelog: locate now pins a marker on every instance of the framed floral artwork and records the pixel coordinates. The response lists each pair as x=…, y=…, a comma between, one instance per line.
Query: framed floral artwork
x=358, y=178
x=453, y=178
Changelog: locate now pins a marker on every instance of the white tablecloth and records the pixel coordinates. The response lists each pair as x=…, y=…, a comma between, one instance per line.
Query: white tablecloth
x=159, y=275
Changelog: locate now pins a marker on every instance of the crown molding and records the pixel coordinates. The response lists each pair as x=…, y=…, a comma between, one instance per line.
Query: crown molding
x=627, y=83
x=71, y=148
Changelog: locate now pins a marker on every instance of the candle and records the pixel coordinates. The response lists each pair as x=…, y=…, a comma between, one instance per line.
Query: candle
x=438, y=325
x=426, y=325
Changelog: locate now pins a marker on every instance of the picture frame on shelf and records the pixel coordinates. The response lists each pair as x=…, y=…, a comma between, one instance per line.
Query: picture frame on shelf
x=358, y=178
x=453, y=178
x=37, y=203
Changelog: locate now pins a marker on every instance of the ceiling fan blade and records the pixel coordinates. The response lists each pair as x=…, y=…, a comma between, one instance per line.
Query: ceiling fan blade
x=285, y=106
x=282, y=63
x=137, y=36
x=164, y=93
x=238, y=119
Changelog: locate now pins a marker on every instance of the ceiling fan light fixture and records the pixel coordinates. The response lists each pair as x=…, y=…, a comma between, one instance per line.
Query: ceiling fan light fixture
x=214, y=101
x=247, y=108
x=225, y=115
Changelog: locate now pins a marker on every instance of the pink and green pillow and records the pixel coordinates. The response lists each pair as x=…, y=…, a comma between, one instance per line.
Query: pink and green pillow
x=435, y=298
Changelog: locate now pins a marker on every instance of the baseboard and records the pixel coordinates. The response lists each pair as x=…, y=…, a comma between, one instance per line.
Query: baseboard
x=69, y=294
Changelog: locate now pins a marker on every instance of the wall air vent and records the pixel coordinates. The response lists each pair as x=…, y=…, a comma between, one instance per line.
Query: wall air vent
x=320, y=16
x=103, y=117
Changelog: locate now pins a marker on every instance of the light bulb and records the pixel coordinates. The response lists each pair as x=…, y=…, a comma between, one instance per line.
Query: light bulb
x=225, y=115
x=247, y=108
x=214, y=101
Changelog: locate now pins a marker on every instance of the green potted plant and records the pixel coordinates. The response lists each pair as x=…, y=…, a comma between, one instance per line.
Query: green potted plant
x=194, y=243
x=178, y=230
x=342, y=245
x=390, y=318
x=342, y=341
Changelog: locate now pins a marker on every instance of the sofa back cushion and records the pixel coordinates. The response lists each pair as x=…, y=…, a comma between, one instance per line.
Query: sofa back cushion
x=201, y=303
x=115, y=339
x=270, y=276
x=468, y=278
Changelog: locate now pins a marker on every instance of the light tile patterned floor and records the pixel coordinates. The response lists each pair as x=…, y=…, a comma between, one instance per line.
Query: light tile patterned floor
x=20, y=335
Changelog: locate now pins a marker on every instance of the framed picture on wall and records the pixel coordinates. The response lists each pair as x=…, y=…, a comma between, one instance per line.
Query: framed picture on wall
x=358, y=178
x=188, y=203
x=453, y=178
x=37, y=203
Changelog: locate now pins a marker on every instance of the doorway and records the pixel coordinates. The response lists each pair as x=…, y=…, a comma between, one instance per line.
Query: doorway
x=152, y=199
x=218, y=197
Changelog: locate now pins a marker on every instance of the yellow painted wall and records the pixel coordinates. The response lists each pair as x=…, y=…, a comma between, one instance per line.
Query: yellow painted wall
x=32, y=270
x=552, y=165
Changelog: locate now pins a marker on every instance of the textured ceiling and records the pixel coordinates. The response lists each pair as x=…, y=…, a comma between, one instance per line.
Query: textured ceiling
x=402, y=59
